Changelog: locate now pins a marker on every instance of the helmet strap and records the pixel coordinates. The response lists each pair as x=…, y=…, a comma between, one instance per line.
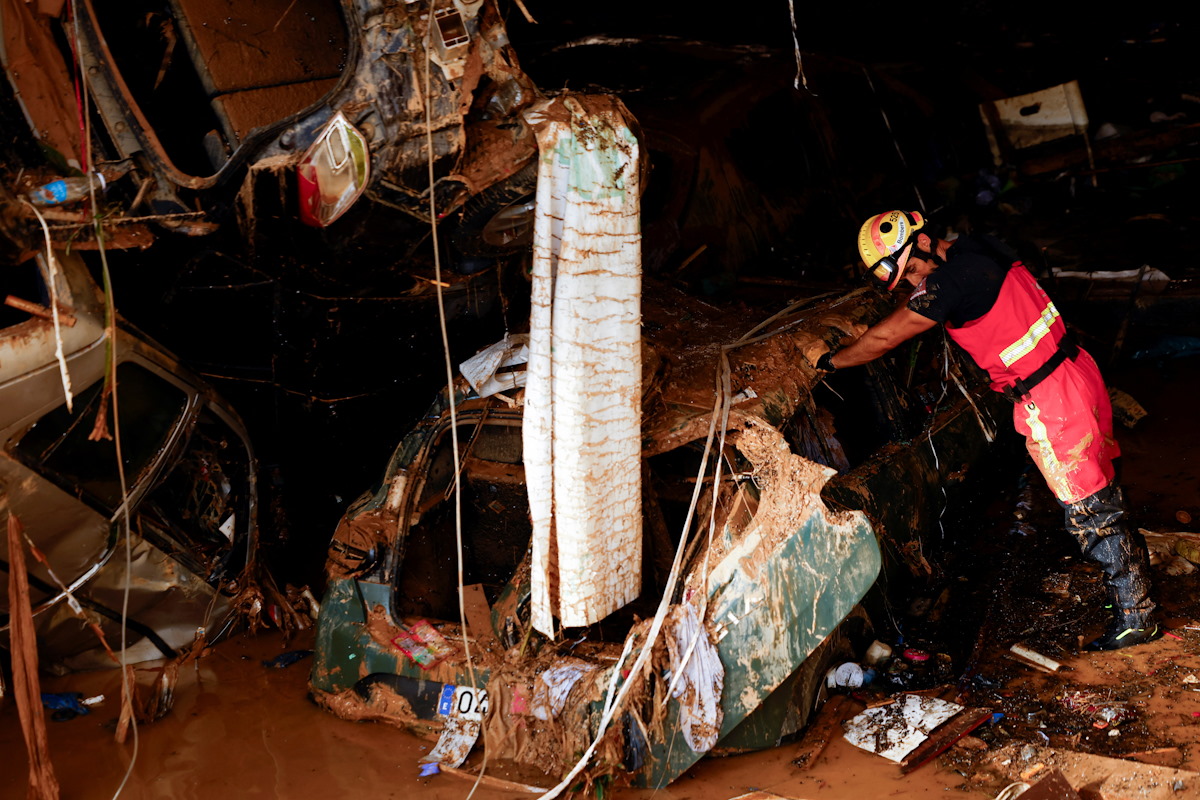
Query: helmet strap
x=928, y=255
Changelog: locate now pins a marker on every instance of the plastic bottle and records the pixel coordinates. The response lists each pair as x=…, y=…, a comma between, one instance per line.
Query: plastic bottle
x=66, y=190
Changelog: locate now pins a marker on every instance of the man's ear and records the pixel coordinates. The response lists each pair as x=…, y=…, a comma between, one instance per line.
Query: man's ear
x=924, y=242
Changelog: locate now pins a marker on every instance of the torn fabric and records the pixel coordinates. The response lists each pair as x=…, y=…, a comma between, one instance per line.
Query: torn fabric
x=551, y=688
x=582, y=423
x=698, y=677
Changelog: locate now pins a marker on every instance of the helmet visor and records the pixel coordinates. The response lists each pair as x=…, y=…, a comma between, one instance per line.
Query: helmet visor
x=889, y=269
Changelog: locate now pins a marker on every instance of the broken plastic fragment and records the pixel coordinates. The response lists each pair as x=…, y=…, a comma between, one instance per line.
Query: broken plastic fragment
x=845, y=676
x=430, y=768
x=698, y=680
x=483, y=370
x=65, y=705
x=286, y=659
x=333, y=172
x=877, y=652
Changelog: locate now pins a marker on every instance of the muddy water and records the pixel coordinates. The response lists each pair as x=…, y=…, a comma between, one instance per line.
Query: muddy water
x=240, y=730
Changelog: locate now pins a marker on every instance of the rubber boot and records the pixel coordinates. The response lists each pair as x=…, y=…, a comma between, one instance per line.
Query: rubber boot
x=1098, y=523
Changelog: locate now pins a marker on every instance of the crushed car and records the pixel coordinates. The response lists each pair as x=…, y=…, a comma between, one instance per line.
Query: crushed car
x=200, y=108
x=186, y=480
x=827, y=480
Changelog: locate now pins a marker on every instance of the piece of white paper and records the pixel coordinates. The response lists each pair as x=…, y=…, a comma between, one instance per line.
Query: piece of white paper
x=893, y=731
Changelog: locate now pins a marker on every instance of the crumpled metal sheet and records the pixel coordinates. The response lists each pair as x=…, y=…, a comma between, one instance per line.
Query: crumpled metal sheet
x=582, y=423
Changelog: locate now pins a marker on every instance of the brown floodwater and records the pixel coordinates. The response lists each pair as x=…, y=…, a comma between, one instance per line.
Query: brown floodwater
x=241, y=730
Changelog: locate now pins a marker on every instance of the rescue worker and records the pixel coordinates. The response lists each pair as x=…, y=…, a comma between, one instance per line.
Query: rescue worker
x=991, y=305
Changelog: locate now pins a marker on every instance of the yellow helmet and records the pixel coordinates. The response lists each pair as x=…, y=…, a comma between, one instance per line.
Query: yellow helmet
x=882, y=239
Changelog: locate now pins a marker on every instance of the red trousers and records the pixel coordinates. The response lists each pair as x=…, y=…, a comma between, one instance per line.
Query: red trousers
x=1067, y=425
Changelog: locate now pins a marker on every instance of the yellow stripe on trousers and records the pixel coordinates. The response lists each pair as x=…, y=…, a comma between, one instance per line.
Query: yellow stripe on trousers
x=1052, y=469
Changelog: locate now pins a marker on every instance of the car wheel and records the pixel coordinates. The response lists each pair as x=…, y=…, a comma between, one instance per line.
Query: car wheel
x=499, y=220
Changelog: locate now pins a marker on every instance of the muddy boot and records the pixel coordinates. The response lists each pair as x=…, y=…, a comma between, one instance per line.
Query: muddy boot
x=1098, y=523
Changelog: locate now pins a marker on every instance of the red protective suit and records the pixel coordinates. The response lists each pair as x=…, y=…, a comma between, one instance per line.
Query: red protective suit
x=1067, y=417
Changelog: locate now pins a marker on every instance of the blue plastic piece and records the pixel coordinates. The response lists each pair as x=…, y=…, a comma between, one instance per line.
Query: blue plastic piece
x=287, y=659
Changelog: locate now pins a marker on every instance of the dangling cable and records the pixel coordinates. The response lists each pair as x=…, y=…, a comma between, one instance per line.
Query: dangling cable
x=801, y=79
x=110, y=378
x=438, y=284
x=52, y=281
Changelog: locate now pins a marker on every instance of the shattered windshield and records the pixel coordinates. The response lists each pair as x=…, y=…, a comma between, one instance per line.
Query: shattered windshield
x=61, y=445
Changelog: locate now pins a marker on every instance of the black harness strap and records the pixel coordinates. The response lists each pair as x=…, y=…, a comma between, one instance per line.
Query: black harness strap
x=1067, y=348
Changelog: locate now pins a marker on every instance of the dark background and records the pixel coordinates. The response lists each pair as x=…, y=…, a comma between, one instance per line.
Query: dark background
x=330, y=369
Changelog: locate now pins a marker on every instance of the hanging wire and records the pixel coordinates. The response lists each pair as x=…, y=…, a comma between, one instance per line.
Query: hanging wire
x=52, y=280
x=110, y=378
x=453, y=400
x=801, y=79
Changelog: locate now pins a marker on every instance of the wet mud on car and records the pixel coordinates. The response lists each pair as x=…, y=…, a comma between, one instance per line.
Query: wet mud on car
x=201, y=105
x=789, y=562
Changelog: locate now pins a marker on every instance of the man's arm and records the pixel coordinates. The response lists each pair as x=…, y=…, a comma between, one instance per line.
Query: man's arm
x=899, y=326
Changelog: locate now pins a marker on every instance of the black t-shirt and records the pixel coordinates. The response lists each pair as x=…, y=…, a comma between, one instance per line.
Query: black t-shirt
x=967, y=285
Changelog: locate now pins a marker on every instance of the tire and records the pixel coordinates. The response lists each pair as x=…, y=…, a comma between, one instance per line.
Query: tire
x=499, y=220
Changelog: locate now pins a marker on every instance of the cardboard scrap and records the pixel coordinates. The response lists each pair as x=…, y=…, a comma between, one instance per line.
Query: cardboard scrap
x=479, y=617
x=1054, y=786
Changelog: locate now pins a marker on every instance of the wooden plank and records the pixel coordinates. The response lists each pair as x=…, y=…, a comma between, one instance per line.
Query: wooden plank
x=827, y=725
x=944, y=736
x=1054, y=786
x=1162, y=756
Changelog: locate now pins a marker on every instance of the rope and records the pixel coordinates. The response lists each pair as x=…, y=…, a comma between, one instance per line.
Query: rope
x=439, y=284
x=111, y=378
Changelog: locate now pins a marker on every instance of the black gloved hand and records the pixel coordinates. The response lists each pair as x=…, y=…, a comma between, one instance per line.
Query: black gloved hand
x=825, y=362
